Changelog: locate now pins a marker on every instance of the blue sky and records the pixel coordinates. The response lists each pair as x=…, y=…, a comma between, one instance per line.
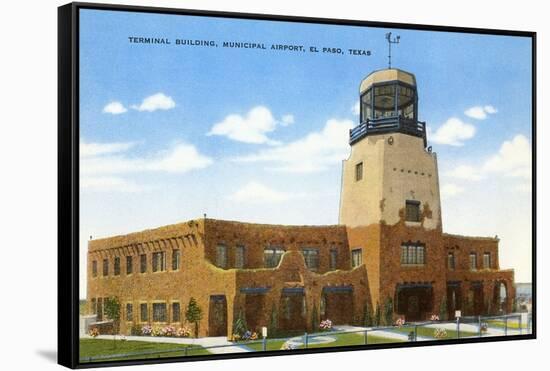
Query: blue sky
x=171, y=132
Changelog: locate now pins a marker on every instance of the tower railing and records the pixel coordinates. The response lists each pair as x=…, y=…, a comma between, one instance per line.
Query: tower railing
x=386, y=125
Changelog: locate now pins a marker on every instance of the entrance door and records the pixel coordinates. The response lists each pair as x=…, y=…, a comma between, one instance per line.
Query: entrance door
x=413, y=309
x=217, y=316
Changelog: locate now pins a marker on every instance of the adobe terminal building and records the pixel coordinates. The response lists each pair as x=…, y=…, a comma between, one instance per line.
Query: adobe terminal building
x=388, y=245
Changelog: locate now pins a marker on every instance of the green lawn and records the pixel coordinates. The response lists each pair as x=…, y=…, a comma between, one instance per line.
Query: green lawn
x=102, y=347
x=428, y=332
x=341, y=340
x=511, y=324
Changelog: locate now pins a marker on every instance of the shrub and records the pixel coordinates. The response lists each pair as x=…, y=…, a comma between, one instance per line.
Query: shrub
x=136, y=330
x=183, y=332
x=325, y=325
x=157, y=331
x=146, y=330
x=94, y=332
x=168, y=331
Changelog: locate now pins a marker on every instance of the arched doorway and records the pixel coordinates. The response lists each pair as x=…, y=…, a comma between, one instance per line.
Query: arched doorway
x=500, y=297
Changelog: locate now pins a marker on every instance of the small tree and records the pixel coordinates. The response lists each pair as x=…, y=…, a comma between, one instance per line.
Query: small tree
x=193, y=314
x=239, y=325
x=443, y=309
x=367, y=315
x=112, y=311
x=388, y=312
x=377, y=315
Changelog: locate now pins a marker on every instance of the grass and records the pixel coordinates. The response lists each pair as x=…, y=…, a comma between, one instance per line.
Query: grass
x=428, y=332
x=103, y=347
x=341, y=340
x=511, y=324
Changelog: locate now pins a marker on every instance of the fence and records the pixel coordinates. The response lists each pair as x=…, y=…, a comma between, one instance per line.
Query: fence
x=461, y=328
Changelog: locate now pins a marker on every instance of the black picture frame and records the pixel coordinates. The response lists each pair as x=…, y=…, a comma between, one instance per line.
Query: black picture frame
x=68, y=177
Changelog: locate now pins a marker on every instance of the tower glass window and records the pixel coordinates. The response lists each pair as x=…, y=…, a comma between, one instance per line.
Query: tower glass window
x=384, y=101
x=406, y=102
x=412, y=211
x=366, y=106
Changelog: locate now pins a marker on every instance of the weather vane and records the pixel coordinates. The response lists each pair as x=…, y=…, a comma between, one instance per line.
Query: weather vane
x=390, y=41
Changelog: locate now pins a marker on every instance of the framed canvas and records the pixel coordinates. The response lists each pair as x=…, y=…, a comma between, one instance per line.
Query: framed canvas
x=241, y=185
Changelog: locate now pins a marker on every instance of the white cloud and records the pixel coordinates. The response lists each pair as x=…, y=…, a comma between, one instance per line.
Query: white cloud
x=158, y=101
x=115, y=108
x=287, y=120
x=179, y=159
x=255, y=192
x=315, y=152
x=356, y=109
x=453, y=132
x=513, y=159
x=480, y=112
x=450, y=190
x=98, y=149
x=251, y=128
x=110, y=184
x=465, y=172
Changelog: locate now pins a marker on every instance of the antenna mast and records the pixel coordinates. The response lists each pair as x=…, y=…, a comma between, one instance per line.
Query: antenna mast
x=395, y=40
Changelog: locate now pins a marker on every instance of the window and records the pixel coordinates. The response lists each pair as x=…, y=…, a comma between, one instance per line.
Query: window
x=412, y=211
x=176, y=312
x=359, y=171
x=221, y=256
x=143, y=263
x=366, y=106
x=94, y=306
x=451, y=261
x=129, y=312
x=159, y=312
x=117, y=266
x=144, y=316
x=272, y=256
x=94, y=268
x=333, y=259
x=405, y=102
x=413, y=254
x=311, y=257
x=239, y=256
x=356, y=257
x=176, y=255
x=384, y=101
x=473, y=261
x=105, y=267
x=159, y=261
x=129, y=265
x=487, y=260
